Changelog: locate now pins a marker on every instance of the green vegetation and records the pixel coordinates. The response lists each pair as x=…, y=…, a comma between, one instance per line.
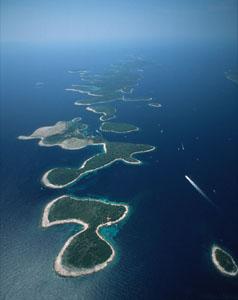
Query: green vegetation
x=115, y=151
x=118, y=127
x=87, y=249
x=113, y=84
x=225, y=261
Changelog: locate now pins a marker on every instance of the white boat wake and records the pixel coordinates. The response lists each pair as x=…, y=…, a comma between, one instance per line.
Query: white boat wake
x=197, y=188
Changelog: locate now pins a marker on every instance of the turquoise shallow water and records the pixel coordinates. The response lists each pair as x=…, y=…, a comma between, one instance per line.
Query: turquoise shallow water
x=164, y=246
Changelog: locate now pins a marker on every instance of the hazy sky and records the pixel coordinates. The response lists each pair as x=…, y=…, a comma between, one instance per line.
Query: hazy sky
x=93, y=20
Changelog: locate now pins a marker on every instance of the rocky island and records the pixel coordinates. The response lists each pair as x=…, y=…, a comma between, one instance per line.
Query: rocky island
x=87, y=251
x=112, y=152
x=70, y=135
x=116, y=83
x=224, y=261
x=118, y=127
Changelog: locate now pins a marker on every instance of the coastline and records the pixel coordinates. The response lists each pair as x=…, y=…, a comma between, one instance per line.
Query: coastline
x=119, y=132
x=156, y=105
x=113, y=100
x=68, y=261
x=82, y=92
x=88, y=108
x=70, y=143
x=59, y=267
x=67, y=146
x=136, y=100
x=62, y=145
x=43, y=132
x=94, y=103
x=46, y=182
x=24, y=137
x=217, y=264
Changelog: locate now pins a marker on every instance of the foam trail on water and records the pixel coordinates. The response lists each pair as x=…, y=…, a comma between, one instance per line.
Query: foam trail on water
x=197, y=188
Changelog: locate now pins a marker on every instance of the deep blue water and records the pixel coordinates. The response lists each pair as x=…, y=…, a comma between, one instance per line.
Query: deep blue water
x=163, y=250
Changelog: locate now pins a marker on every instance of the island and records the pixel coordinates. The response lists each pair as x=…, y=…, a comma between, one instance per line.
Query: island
x=136, y=99
x=118, y=127
x=81, y=72
x=224, y=261
x=232, y=75
x=155, y=104
x=70, y=135
x=112, y=152
x=117, y=83
x=90, y=90
x=87, y=251
x=107, y=112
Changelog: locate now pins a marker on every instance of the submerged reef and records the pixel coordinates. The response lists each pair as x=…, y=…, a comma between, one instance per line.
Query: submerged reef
x=232, y=75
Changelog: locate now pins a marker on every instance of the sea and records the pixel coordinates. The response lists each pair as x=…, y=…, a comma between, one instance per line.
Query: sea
x=163, y=249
